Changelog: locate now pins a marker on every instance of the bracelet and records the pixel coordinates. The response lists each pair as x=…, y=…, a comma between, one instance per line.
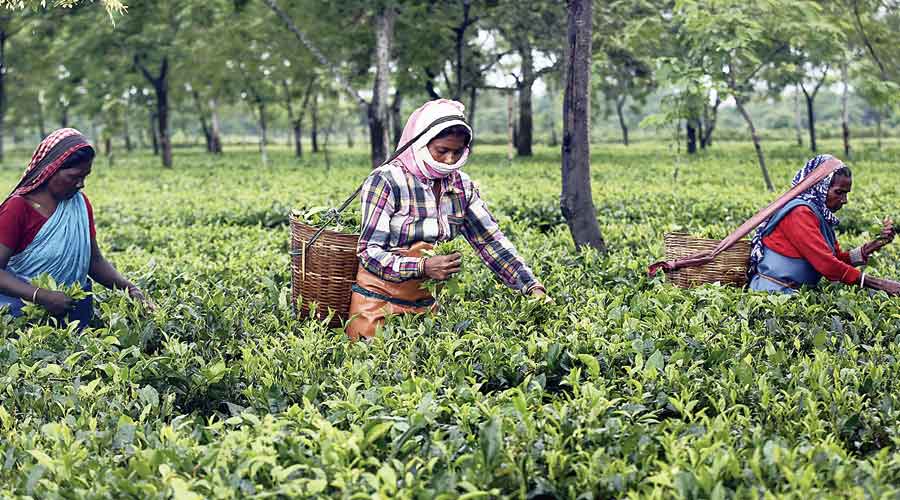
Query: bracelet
x=862, y=280
x=34, y=295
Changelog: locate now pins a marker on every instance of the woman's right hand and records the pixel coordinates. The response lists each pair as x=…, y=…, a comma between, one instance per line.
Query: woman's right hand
x=442, y=267
x=57, y=303
x=891, y=287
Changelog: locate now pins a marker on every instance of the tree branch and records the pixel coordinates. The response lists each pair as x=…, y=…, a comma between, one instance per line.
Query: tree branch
x=316, y=52
x=865, y=38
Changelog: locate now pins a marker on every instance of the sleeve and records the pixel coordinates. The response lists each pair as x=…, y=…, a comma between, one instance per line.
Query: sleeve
x=482, y=232
x=90, y=211
x=378, y=200
x=12, y=223
x=802, y=228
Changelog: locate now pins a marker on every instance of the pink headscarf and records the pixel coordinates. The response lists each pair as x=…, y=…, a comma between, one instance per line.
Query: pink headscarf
x=416, y=158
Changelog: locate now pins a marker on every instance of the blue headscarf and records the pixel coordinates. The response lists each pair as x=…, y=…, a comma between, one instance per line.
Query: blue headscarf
x=815, y=195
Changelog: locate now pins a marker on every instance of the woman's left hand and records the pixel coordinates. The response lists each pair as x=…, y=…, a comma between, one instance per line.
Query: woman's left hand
x=136, y=293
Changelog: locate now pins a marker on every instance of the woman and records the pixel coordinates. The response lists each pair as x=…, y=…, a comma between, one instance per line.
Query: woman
x=47, y=226
x=797, y=245
x=417, y=199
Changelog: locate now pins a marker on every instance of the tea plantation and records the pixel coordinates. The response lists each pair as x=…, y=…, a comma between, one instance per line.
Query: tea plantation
x=623, y=387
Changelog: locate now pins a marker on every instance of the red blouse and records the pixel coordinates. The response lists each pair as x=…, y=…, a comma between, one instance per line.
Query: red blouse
x=798, y=235
x=20, y=223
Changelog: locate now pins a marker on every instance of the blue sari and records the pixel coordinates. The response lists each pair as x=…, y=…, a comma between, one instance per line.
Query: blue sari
x=62, y=249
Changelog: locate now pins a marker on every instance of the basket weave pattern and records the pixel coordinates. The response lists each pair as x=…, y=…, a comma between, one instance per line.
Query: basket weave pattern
x=325, y=273
x=728, y=268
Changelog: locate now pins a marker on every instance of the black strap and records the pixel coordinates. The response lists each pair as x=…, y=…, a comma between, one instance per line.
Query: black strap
x=400, y=302
x=335, y=213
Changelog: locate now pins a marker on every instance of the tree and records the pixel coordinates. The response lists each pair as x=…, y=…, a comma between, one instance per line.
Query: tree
x=576, y=200
x=622, y=77
x=629, y=36
x=111, y=6
x=730, y=42
x=377, y=109
x=530, y=33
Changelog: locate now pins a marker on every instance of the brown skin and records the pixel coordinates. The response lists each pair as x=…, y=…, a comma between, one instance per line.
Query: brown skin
x=836, y=199
x=449, y=149
x=63, y=185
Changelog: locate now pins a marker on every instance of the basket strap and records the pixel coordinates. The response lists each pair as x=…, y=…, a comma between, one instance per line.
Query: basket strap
x=701, y=258
x=334, y=214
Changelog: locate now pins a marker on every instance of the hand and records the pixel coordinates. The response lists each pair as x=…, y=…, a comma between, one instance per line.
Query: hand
x=442, y=267
x=886, y=236
x=540, y=294
x=891, y=287
x=57, y=303
x=135, y=293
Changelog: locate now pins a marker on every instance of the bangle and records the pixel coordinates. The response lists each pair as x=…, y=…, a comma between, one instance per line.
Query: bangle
x=34, y=295
x=862, y=280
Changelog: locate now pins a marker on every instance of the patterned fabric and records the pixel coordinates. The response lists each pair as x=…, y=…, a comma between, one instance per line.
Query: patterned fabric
x=50, y=154
x=417, y=159
x=399, y=209
x=62, y=247
x=815, y=195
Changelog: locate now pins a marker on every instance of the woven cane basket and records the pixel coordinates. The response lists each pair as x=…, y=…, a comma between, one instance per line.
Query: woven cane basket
x=324, y=272
x=728, y=268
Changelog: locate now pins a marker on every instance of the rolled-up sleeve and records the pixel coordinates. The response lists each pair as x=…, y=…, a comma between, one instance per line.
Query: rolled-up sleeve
x=482, y=232
x=378, y=204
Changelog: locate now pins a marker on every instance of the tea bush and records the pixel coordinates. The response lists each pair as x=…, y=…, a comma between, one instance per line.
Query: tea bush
x=623, y=387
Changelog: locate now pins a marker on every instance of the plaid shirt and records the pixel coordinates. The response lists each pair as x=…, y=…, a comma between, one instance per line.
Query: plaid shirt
x=398, y=210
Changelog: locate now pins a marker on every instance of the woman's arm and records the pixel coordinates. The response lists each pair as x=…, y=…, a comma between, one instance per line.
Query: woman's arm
x=482, y=232
x=378, y=200
x=57, y=303
x=104, y=273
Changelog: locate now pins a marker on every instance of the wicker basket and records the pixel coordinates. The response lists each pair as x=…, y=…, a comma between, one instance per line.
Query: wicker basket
x=728, y=268
x=324, y=273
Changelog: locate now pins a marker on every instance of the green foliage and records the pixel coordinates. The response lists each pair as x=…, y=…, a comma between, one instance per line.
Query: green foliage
x=624, y=387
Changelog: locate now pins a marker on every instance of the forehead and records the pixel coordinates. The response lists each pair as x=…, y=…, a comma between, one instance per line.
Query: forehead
x=841, y=182
x=83, y=168
x=452, y=141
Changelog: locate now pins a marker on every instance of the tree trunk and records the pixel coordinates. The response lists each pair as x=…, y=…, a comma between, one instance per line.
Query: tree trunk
x=811, y=120
x=691, y=129
x=620, y=103
x=551, y=94
x=215, y=129
x=510, y=128
x=314, y=130
x=154, y=135
x=41, y=118
x=756, y=143
x=207, y=133
x=878, y=120
x=263, y=139
x=845, y=112
x=378, y=112
x=126, y=132
x=162, y=115
x=473, y=101
x=576, y=200
x=396, y=119
x=64, y=117
x=798, y=117
x=526, y=116
x=298, y=138
x=710, y=119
